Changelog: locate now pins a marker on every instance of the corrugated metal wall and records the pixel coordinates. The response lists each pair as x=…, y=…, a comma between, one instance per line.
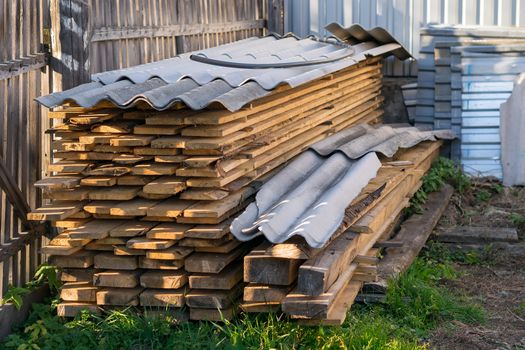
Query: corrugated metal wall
x=402, y=18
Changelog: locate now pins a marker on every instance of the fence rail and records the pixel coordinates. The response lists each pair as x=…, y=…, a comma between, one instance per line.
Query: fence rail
x=23, y=77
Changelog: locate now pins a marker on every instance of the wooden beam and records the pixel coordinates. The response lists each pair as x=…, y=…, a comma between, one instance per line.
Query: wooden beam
x=13, y=193
x=119, y=33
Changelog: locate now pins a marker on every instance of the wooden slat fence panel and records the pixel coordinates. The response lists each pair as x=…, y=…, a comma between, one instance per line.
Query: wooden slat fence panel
x=141, y=31
x=23, y=77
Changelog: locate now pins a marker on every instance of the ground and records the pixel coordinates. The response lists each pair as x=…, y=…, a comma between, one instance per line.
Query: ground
x=495, y=276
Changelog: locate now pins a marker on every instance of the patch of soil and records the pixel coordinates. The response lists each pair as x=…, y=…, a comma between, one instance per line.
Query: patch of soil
x=499, y=283
x=500, y=289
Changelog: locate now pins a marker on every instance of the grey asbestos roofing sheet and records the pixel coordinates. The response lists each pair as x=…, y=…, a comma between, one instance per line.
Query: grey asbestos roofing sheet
x=198, y=84
x=309, y=196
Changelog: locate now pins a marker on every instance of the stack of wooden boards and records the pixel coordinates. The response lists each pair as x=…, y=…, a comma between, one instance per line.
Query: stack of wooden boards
x=144, y=199
x=317, y=286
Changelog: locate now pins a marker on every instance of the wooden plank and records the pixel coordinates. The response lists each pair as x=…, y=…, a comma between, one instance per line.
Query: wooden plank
x=204, y=194
x=94, y=229
x=134, y=207
x=123, y=250
x=472, y=234
x=78, y=291
x=64, y=240
x=77, y=275
x=209, y=231
x=102, y=181
x=117, y=279
x=120, y=193
x=59, y=250
x=171, y=253
x=81, y=259
x=171, y=231
x=145, y=263
x=224, y=280
x=207, y=243
x=147, y=243
x=261, y=267
x=171, y=207
x=132, y=229
x=55, y=211
x=263, y=293
x=119, y=296
x=156, y=169
x=214, y=314
x=213, y=262
x=163, y=297
x=131, y=140
x=114, y=262
x=163, y=279
x=157, y=129
x=59, y=182
x=165, y=185
x=100, y=207
x=224, y=248
x=69, y=166
x=133, y=180
x=72, y=309
x=74, y=194
x=208, y=299
x=116, y=127
x=220, y=207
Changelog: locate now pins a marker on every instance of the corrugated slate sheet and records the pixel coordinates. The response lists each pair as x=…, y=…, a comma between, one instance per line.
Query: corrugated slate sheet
x=196, y=84
x=310, y=195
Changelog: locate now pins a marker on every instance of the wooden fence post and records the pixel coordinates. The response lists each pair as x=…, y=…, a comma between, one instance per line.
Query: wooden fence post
x=69, y=43
x=276, y=16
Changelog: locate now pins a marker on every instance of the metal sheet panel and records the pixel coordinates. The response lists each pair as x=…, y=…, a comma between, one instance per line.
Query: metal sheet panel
x=402, y=18
x=198, y=84
x=309, y=196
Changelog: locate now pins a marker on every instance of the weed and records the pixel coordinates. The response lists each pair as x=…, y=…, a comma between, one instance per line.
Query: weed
x=44, y=273
x=438, y=252
x=517, y=220
x=15, y=295
x=483, y=195
x=442, y=171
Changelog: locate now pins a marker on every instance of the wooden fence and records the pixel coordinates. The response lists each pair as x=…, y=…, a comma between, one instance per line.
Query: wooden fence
x=23, y=76
x=52, y=45
x=99, y=35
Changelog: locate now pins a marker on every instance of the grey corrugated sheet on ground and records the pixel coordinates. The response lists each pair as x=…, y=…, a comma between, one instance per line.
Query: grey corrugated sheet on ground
x=196, y=84
x=310, y=195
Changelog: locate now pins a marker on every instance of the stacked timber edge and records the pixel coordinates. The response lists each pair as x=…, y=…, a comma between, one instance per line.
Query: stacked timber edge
x=317, y=286
x=143, y=199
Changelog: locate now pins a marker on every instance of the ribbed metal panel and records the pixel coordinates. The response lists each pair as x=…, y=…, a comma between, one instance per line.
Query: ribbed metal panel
x=402, y=18
x=199, y=84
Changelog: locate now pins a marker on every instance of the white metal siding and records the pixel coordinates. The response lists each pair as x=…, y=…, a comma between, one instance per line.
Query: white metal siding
x=402, y=18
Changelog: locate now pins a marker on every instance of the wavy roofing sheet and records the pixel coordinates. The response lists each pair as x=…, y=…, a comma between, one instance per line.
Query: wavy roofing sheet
x=310, y=195
x=197, y=84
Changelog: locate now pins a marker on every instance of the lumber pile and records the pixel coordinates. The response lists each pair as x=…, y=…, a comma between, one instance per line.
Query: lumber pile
x=317, y=286
x=143, y=199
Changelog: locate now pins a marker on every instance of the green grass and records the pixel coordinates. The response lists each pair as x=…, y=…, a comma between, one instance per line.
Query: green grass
x=443, y=171
x=416, y=304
